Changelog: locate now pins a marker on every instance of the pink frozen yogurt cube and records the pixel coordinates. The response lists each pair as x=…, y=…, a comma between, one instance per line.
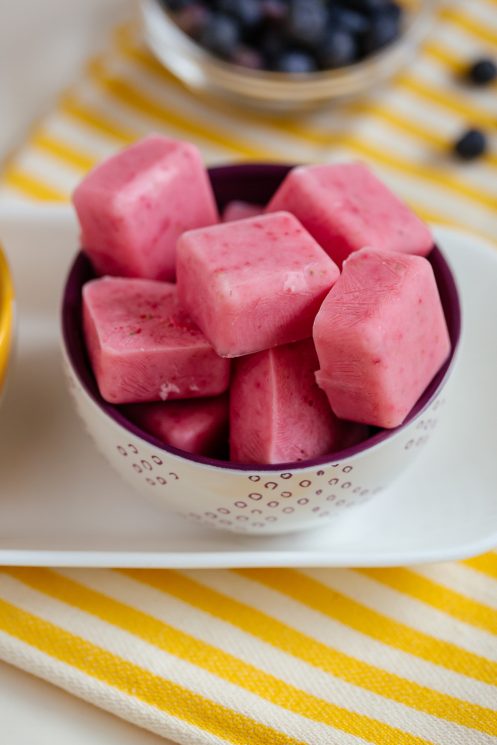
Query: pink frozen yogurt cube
x=144, y=347
x=380, y=336
x=133, y=207
x=345, y=207
x=253, y=284
x=238, y=210
x=198, y=426
x=277, y=412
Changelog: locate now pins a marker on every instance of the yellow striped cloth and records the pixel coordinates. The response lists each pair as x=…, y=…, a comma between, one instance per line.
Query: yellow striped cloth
x=273, y=657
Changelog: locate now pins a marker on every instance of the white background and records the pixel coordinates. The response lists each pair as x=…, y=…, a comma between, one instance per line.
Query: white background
x=43, y=44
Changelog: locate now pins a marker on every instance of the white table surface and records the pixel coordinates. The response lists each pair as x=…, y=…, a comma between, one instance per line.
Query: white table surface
x=32, y=711
x=43, y=44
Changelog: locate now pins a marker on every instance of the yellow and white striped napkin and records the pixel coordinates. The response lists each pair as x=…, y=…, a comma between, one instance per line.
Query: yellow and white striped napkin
x=267, y=656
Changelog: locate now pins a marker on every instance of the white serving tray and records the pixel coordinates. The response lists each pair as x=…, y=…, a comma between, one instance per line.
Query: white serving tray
x=61, y=504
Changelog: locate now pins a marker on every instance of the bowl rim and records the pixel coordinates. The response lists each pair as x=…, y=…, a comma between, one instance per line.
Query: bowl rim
x=6, y=313
x=75, y=350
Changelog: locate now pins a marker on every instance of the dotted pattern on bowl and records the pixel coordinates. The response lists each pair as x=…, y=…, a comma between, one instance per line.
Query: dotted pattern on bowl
x=267, y=497
x=263, y=500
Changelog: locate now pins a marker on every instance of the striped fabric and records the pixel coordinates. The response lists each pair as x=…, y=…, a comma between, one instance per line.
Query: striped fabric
x=266, y=657
x=276, y=657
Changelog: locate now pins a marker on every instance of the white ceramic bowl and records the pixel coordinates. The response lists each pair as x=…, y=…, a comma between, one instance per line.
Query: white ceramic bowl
x=249, y=499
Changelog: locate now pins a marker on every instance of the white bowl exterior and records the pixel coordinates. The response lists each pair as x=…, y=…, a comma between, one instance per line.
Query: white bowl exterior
x=253, y=502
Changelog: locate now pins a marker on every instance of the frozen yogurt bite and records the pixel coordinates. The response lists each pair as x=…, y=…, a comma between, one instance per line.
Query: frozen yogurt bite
x=380, y=336
x=144, y=347
x=253, y=284
x=133, y=207
x=278, y=414
x=199, y=426
x=346, y=207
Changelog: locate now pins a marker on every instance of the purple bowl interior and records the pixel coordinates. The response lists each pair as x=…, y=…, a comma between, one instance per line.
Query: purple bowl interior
x=254, y=183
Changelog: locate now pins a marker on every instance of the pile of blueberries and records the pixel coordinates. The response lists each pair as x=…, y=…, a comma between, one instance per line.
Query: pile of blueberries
x=291, y=36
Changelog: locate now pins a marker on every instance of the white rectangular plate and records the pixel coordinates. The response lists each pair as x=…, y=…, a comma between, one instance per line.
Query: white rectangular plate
x=61, y=504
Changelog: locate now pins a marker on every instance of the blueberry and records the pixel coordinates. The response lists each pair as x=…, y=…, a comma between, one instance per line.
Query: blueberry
x=246, y=56
x=220, y=35
x=192, y=19
x=295, y=61
x=394, y=10
x=384, y=28
x=338, y=49
x=371, y=7
x=175, y=5
x=482, y=71
x=471, y=144
x=274, y=11
x=350, y=20
x=247, y=12
x=306, y=21
x=272, y=46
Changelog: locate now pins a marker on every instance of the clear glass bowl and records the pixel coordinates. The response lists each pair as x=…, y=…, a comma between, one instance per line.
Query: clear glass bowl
x=273, y=91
